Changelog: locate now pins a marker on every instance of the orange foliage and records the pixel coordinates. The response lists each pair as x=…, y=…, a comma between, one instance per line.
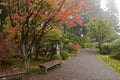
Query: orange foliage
x=69, y=23
x=77, y=46
x=41, y=15
x=72, y=8
x=12, y=32
x=20, y=16
x=79, y=22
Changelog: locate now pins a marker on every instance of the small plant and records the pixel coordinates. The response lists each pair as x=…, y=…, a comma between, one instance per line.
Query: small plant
x=71, y=49
x=105, y=49
x=56, y=57
x=64, y=55
x=115, y=46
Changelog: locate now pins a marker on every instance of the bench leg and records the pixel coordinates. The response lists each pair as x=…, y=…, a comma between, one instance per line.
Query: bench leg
x=45, y=70
x=41, y=69
x=22, y=77
x=59, y=65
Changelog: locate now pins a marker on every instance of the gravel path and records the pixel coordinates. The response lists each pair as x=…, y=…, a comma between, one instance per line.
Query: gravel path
x=85, y=66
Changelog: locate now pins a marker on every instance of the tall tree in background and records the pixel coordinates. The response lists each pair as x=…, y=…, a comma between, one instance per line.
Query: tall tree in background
x=30, y=20
x=96, y=10
x=101, y=29
x=112, y=11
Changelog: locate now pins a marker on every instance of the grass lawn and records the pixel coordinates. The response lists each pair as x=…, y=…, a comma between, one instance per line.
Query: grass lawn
x=111, y=61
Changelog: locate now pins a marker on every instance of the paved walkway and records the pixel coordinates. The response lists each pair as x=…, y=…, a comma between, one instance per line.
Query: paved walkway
x=85, y=66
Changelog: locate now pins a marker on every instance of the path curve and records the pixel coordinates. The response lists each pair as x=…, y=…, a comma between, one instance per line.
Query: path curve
x=84, y=66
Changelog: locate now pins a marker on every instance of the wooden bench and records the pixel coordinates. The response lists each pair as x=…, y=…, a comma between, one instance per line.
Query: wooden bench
x=45, y=66
x=20, y=73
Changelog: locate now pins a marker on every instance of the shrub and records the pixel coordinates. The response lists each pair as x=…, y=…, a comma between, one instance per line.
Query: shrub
x=77, y=46
x=90, y=45
x=8, y=63
x=71, y=49
x=115, y=46
x=87, y=45
x=83, y=45
x=105, y=49
x=64, y=55
x=32, y=69
x=4, y=51
x=56, y=57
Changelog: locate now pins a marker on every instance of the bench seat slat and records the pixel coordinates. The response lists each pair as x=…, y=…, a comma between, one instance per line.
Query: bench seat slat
x=11, y=74
x=50, y=64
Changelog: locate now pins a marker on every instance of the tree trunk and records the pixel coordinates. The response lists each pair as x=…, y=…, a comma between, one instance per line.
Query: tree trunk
x=26, y=60
x=26, y=55
x=99, y=46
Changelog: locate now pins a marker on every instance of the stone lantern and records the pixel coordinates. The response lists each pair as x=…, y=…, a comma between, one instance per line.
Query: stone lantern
x=55, y=47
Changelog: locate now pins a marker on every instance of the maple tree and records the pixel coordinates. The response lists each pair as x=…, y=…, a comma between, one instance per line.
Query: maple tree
x=30, y=20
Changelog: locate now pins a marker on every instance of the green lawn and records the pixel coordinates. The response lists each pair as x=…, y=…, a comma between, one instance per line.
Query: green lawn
x=112, y=62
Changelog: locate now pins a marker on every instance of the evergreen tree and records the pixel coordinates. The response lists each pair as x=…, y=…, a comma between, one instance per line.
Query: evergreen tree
x=112, y=11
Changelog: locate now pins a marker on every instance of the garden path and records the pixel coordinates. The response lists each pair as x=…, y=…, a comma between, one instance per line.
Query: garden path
x=84, y=66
